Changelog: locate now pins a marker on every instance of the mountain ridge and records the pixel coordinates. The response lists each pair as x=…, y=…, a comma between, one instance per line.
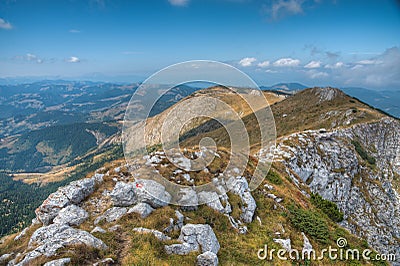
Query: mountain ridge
x=326, y=156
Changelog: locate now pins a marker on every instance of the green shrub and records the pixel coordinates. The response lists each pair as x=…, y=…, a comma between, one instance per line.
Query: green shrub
x=327, y=207
x=274, y=178
x=363, y=154
x=309, y=222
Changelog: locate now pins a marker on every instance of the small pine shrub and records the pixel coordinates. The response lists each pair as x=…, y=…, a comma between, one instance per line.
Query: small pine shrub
x=309, y=222
x=327, y=207
x=274, y=178
x=363, y=154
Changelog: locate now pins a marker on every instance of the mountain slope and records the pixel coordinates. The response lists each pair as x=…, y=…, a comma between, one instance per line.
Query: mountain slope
x=353, y=163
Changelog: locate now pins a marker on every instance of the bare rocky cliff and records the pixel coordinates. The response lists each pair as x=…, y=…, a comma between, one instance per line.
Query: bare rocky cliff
x=365, y=189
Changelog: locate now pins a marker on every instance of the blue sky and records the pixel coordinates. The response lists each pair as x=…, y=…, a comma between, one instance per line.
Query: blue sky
x=316, y=42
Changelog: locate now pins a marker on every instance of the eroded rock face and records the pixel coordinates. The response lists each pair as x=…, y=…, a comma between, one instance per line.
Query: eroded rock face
x=74, y=193
x=195, y=237
x=330, y=165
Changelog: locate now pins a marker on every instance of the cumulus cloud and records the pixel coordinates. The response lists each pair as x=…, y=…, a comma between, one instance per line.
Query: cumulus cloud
x=382, y=71
x=266, y=63
x=313, y=74
x=5, y=25
x=368, y=62
x=30, y=58
x=73, y=59
x=336, y=65
x=178, y=2
x=247, y=61
x=313, y=64
x=286, y=62
x=271, y=71
x=281, y=8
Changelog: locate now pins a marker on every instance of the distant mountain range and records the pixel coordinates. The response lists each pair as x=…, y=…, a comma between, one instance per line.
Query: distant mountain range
x=385, y=100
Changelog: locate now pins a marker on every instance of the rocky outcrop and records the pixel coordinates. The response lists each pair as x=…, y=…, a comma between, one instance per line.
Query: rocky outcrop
x=111, y=215
x=142, y=190
x=152, y=193
x=71, y=215
x=285, y=243
x=195, y=237
x=123, y=194
x=239, y=186
x=307, y=247
x=143, y=209
x=46, y=240
x=367, y=194
x=188, y=199
x=73, y=193
x=207, y=259
x=59, y=262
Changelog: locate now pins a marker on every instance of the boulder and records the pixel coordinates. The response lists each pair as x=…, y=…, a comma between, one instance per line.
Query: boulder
x=179, y=222
x=5, y=258
x=73, y=193
x=195, y=237
x=46, y=240
x=71, y=215
x=111, y=215
x=123, y=194
x=106, y=261
x=285, y=243
x=142, y=208
x=151, y=192
x=207, y=259
x=188, y=199
x=22, y=234
x=307, y=247
x=98, y=229
x=239, y=186
x=59, y=262
x=211, y=199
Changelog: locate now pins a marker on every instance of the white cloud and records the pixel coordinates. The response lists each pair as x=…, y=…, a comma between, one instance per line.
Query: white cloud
x=73, y=59
x=5, y=25
x=286, y=62
x=369, y=62
x=313, y=64
x=336, y=65
x=74, y=31
x=271, y=71
x=247, y=61
x=31, y=58
x=317, y=74
x=178, y=2
x=266, y=63
x=281, y=7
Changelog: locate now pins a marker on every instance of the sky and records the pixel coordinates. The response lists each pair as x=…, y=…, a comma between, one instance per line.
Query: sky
x=315, y=42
